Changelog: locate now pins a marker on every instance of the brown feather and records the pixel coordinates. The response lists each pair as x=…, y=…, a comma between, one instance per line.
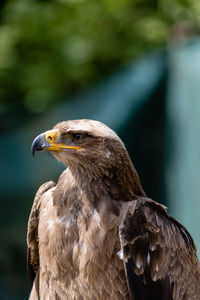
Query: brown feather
x=165, y=250
x=95, y=235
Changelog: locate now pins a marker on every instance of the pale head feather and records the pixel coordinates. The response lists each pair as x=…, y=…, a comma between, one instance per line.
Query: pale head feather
x=93, y=127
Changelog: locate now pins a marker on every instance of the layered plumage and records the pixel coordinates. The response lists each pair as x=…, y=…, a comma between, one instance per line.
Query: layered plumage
x=95, y=234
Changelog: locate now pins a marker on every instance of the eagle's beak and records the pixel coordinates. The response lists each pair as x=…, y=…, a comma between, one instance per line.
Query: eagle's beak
x=46, y=141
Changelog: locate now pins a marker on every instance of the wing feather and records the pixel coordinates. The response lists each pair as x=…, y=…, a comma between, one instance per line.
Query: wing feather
x=32, y=232
x=159, y=255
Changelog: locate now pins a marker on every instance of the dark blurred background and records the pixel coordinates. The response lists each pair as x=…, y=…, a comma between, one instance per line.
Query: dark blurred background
x=134, y=65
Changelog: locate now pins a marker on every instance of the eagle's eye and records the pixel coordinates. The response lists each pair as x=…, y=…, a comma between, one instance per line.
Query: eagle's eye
x=78, y=137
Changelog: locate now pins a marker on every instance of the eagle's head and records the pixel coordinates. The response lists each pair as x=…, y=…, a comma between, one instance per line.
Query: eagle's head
x=80, y=142
x=91, y=148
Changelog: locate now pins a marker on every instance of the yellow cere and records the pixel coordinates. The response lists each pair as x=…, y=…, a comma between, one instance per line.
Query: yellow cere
x=51, y=136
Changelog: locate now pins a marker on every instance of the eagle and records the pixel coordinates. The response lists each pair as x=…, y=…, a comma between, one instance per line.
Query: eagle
x=95, y=235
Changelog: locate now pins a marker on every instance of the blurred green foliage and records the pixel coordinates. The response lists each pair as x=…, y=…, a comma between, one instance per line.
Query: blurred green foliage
x=50, y=48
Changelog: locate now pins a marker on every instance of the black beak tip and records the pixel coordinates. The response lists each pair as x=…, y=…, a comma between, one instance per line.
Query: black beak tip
x=36, y=145
x=32, y=151
x=33, y=148
x=40, y=143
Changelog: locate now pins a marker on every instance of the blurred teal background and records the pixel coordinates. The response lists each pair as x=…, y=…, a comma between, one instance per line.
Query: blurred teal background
x=134, y=65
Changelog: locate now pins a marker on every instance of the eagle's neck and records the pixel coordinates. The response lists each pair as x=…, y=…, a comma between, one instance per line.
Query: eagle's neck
x=104, y=176
x=117, y=180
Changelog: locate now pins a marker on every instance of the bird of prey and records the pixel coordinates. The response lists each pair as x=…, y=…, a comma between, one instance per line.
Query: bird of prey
x=95, y=235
